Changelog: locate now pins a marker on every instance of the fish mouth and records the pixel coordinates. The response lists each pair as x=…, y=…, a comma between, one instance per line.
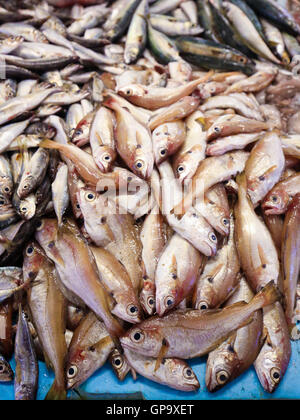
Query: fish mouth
x=269, y=209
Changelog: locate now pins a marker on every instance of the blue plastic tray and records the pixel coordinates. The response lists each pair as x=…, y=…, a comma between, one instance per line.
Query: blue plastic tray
x=245, y=387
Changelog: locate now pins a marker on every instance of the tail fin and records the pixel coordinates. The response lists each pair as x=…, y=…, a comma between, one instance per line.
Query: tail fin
x=267, y=296
x=56, y=393
x=49, y=144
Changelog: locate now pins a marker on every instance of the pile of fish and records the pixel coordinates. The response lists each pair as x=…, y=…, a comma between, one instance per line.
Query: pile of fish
x=149, y=190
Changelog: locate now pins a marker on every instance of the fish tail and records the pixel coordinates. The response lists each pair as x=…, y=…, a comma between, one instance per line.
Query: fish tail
x=267, y=296
x=56, y=393
x=49, y=144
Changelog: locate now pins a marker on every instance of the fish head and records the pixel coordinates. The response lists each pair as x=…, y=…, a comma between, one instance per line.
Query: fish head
x=181, y=375
x=160, y=145
x=25, y=186
x=46, y=233
x=146, y=341
x=4, y=201
x=6, y=187
x=119, y=364
x=270, y=367
x=132, y=90
x=87, y=200
x=276, y=202
x=131, y=54
x=130, y=312
x=6, y=373
x=27, y=208
x=105, y=158
x=143, y=166
x=222, y=367
x=33, y=259
x=166, y=299
x=147, y=297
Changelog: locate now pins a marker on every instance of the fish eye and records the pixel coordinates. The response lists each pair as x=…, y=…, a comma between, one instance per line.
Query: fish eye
x=24, y=209
x=150, y=301
x=169, y=301
x=128, y=92
x=222, y=377
x=7, y=189
x=274, y=198
x=242, y=60
x=29, y=250
x=262, y=178
x=217, y=129
x=163, y=152
x=78, y=206
x=275, y=375
x=72, y=372
x=139, y=164
x=90, y=196
x=180, y=168
x=225, y=222
x=78, y=132
x=132, y=310
x=107, y=158
x=202, y=305
x=213, y=237
x=117, y=362
x=39, y=225
x=137, y=336
x=188, y=373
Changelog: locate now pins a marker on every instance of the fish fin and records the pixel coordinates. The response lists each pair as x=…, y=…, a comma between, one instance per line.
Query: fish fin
x=133, y=373
x=49, y=144
x=103, y=342
x=163, y=351
x=267, y=296
x=56, y=393
x=47, y=361
x=99, y=139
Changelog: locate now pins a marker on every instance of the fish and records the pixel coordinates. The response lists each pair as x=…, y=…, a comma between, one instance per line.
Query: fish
x=102, y=139
x=236, y=142
x=264, y=167
x=232, y=102
x=120, y=18
x=120, y=364
x=188, y=334
x=273, y=359
x=136, y=39
x=133, y=141
x=235, y=355
x=153, y=238
x=47, y=307
x=278, y=199
x=34, y=173
x=156, y=97
x=257, y=252
x=162, y=47
x=118, y=284
x=173, y=27
x=176, y=274
x=11, y=282
x=192, y=151
x=66, y=245
x=27, y=371
x=207, y=176
x=289, y=259
x=167, y=139
x=113, y=231
x=275, y=41
x=180, y=110
x=220, y=276
x=60, y=192
x=258, y=81
x=89, y=349
x=6, y=178
x=174, y=373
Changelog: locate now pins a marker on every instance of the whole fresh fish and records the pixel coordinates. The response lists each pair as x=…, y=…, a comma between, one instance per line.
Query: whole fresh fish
x=274, y=357
x=27, y=371
x=235, y=355
x=9, y=133
x=219, y=277
x=133, y=141
x=102, y=139
x=192, y=152
x=290, y=260
x=178, y=111
x=174, y=373
x=89, y=349
x=137, y=34
x=257, y=252
x=236, y=142
x=210, y=172
x=254, y=83
x=165, y=6
x=163, y=47
x=47, y=306
x=60, y=192
x=118, y=284
x=167, y=138
x=264, y=167
x=232, y=102
x=34, y=173
x=191, y=333
x=176, y=274
x=275, y=41
x=173, y=27
x=116, y=232
x=279, y=198
x=156, y=97
x=83, y=279
x=120, y=18
x=28, y=32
